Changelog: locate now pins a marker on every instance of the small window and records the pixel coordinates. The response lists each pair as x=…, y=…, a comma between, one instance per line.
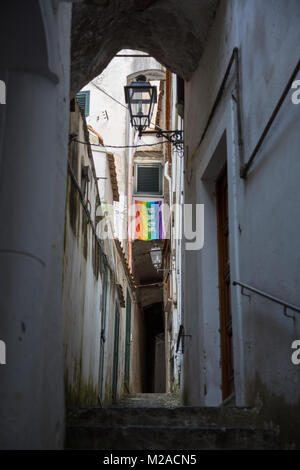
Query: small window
x=148, y=178
x=83, y=98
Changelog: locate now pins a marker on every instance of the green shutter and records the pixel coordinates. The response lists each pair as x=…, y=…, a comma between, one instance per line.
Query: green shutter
x=149, y=179
x=116, y=353
x=83, y=98
x=127, y=339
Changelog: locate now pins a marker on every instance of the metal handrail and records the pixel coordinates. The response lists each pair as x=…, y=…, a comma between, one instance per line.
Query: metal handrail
x=286, y=305
x=181, y=336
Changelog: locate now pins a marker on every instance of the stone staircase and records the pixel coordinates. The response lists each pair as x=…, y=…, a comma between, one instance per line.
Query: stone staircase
x=160, y=422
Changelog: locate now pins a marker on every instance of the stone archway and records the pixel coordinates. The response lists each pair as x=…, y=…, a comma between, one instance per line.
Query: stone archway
x=171, y=31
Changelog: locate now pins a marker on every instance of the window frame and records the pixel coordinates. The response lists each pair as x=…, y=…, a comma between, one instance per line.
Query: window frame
x=148, y=193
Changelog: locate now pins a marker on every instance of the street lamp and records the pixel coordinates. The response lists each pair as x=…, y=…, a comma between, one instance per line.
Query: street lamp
x=156, y=256
x=140, y=97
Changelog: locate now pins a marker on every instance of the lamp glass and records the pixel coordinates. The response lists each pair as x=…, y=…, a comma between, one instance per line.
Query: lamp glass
x=141, y=97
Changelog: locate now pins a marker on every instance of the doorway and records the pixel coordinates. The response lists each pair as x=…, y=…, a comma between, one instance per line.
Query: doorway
x=224, y=285
x=155, y=349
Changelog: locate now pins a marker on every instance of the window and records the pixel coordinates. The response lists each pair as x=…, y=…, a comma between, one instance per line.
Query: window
x=148, y=178
x=83, y=98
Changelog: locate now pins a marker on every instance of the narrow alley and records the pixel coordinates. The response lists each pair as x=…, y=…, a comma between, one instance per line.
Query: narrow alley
x=149, y=198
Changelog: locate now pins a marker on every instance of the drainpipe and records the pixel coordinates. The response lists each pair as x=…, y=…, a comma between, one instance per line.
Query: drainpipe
x=130, y=192
x=167, y=362
x=169, y=179
x=167, y=113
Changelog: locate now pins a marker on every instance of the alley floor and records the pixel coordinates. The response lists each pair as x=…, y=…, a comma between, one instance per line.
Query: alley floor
x=160, y=422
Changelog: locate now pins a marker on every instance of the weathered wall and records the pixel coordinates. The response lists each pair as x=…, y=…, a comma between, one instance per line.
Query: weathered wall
x=263, y=209
x=83, y=281
x=34, y=63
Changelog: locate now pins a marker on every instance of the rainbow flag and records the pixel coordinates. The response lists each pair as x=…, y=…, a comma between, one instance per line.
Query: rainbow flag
x=148, y=220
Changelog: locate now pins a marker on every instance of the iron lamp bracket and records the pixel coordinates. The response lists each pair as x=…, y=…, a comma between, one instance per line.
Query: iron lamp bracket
x=174, y=137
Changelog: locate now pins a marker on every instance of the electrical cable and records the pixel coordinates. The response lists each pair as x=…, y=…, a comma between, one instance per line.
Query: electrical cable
x=107, y=94
x=120, y=146
x=115, y=99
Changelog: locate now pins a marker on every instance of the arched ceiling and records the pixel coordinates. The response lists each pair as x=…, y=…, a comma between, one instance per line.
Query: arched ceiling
x=172, y=31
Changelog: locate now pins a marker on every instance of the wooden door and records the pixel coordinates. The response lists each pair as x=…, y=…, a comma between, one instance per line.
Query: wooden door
x=224, y=286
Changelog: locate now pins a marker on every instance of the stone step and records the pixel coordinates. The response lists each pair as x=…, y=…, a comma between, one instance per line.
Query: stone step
x=129, y=437
x=164, y=400
x=157, y=416
x=159, y=422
